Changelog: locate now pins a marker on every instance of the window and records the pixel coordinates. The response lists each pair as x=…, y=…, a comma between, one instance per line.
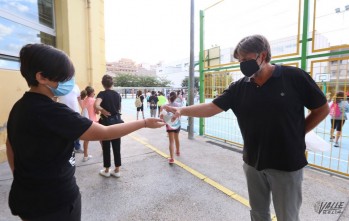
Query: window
x=23, y=22
x=9, y=63
x=36, y=11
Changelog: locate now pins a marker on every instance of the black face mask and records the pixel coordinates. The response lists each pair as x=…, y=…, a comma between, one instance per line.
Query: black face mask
x=248, y=68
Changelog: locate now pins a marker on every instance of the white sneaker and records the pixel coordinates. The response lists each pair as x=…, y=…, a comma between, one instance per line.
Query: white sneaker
x=103, y=173
x=86, y=158
x=115, y=174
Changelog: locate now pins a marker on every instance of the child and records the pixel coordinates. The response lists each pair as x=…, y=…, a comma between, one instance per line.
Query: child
x=83, y=95
x=173, y=133
x=153, y=100
x=141, y=98
x=337, y=122
x=108, y=102
x=41, y=135
x=87, y=104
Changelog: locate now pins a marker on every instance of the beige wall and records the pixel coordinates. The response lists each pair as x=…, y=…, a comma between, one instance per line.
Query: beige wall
x=84, y=44
x=80, y=33
x=12, y=87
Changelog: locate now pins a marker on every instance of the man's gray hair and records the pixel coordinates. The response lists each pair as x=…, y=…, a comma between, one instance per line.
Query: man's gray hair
x=253, y=44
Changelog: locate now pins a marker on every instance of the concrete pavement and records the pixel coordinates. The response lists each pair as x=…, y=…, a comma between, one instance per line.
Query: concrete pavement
x=206, y=183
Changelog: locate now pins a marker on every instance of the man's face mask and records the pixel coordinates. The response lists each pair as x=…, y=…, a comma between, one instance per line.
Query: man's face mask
x=248, y=68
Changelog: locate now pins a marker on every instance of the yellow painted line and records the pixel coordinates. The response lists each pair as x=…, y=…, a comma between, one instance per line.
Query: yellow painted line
x=190, y=170
x=199, y=175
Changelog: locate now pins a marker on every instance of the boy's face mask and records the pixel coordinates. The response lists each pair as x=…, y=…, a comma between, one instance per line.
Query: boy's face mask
x=63, y=88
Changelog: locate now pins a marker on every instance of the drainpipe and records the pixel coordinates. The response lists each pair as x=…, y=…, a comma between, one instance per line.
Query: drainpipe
x=89, y=43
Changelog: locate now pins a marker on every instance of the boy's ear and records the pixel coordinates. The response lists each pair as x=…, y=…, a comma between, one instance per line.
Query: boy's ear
x=40, y=78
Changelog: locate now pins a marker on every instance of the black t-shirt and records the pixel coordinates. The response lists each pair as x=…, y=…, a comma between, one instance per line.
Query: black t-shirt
x=111, y=101
x=271, y=117
x=42, y=133
x=153, y=100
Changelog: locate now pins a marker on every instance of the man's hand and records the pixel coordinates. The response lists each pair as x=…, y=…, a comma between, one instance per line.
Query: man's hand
x=175, y=110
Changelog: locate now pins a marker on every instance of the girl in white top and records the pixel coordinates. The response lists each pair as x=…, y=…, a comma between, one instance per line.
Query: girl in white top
x=173, y=130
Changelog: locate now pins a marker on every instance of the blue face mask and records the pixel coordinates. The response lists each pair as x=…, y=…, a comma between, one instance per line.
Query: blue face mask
x=63, y=88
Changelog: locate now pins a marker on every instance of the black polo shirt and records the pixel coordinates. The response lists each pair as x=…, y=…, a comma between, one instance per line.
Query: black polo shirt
x=272, y=117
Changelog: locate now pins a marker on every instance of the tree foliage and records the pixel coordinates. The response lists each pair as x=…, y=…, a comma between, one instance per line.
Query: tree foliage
x=185, y=82
x=129, y=80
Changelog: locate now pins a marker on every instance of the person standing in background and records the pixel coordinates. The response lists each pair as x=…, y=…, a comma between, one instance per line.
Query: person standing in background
x=338, y=110
x=161, y=101
x=73, y=101
x=88, y=105
x=215, y=93
x=140, y=98
x=153, y=100
x=108, y=103
x=83, y=95
x=179, y=98
x=147, y=96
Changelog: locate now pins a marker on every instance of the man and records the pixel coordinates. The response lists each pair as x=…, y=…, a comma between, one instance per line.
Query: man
x=269, y=105
x=73, y=101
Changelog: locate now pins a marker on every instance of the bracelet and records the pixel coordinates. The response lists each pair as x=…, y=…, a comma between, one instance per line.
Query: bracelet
x=145, y=123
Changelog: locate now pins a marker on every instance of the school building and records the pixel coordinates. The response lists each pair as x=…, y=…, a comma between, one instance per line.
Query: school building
x=76, y=27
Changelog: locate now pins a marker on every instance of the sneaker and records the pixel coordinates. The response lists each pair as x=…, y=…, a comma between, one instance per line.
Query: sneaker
x=336, y=144
x=115, y=174
x=86, y=158
x=79, y=151
x=103, y=173
x=171, y=161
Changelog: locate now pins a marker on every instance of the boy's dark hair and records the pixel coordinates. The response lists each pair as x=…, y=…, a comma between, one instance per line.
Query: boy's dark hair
x=107, y=81
x=53, y=64
x=89, y=90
